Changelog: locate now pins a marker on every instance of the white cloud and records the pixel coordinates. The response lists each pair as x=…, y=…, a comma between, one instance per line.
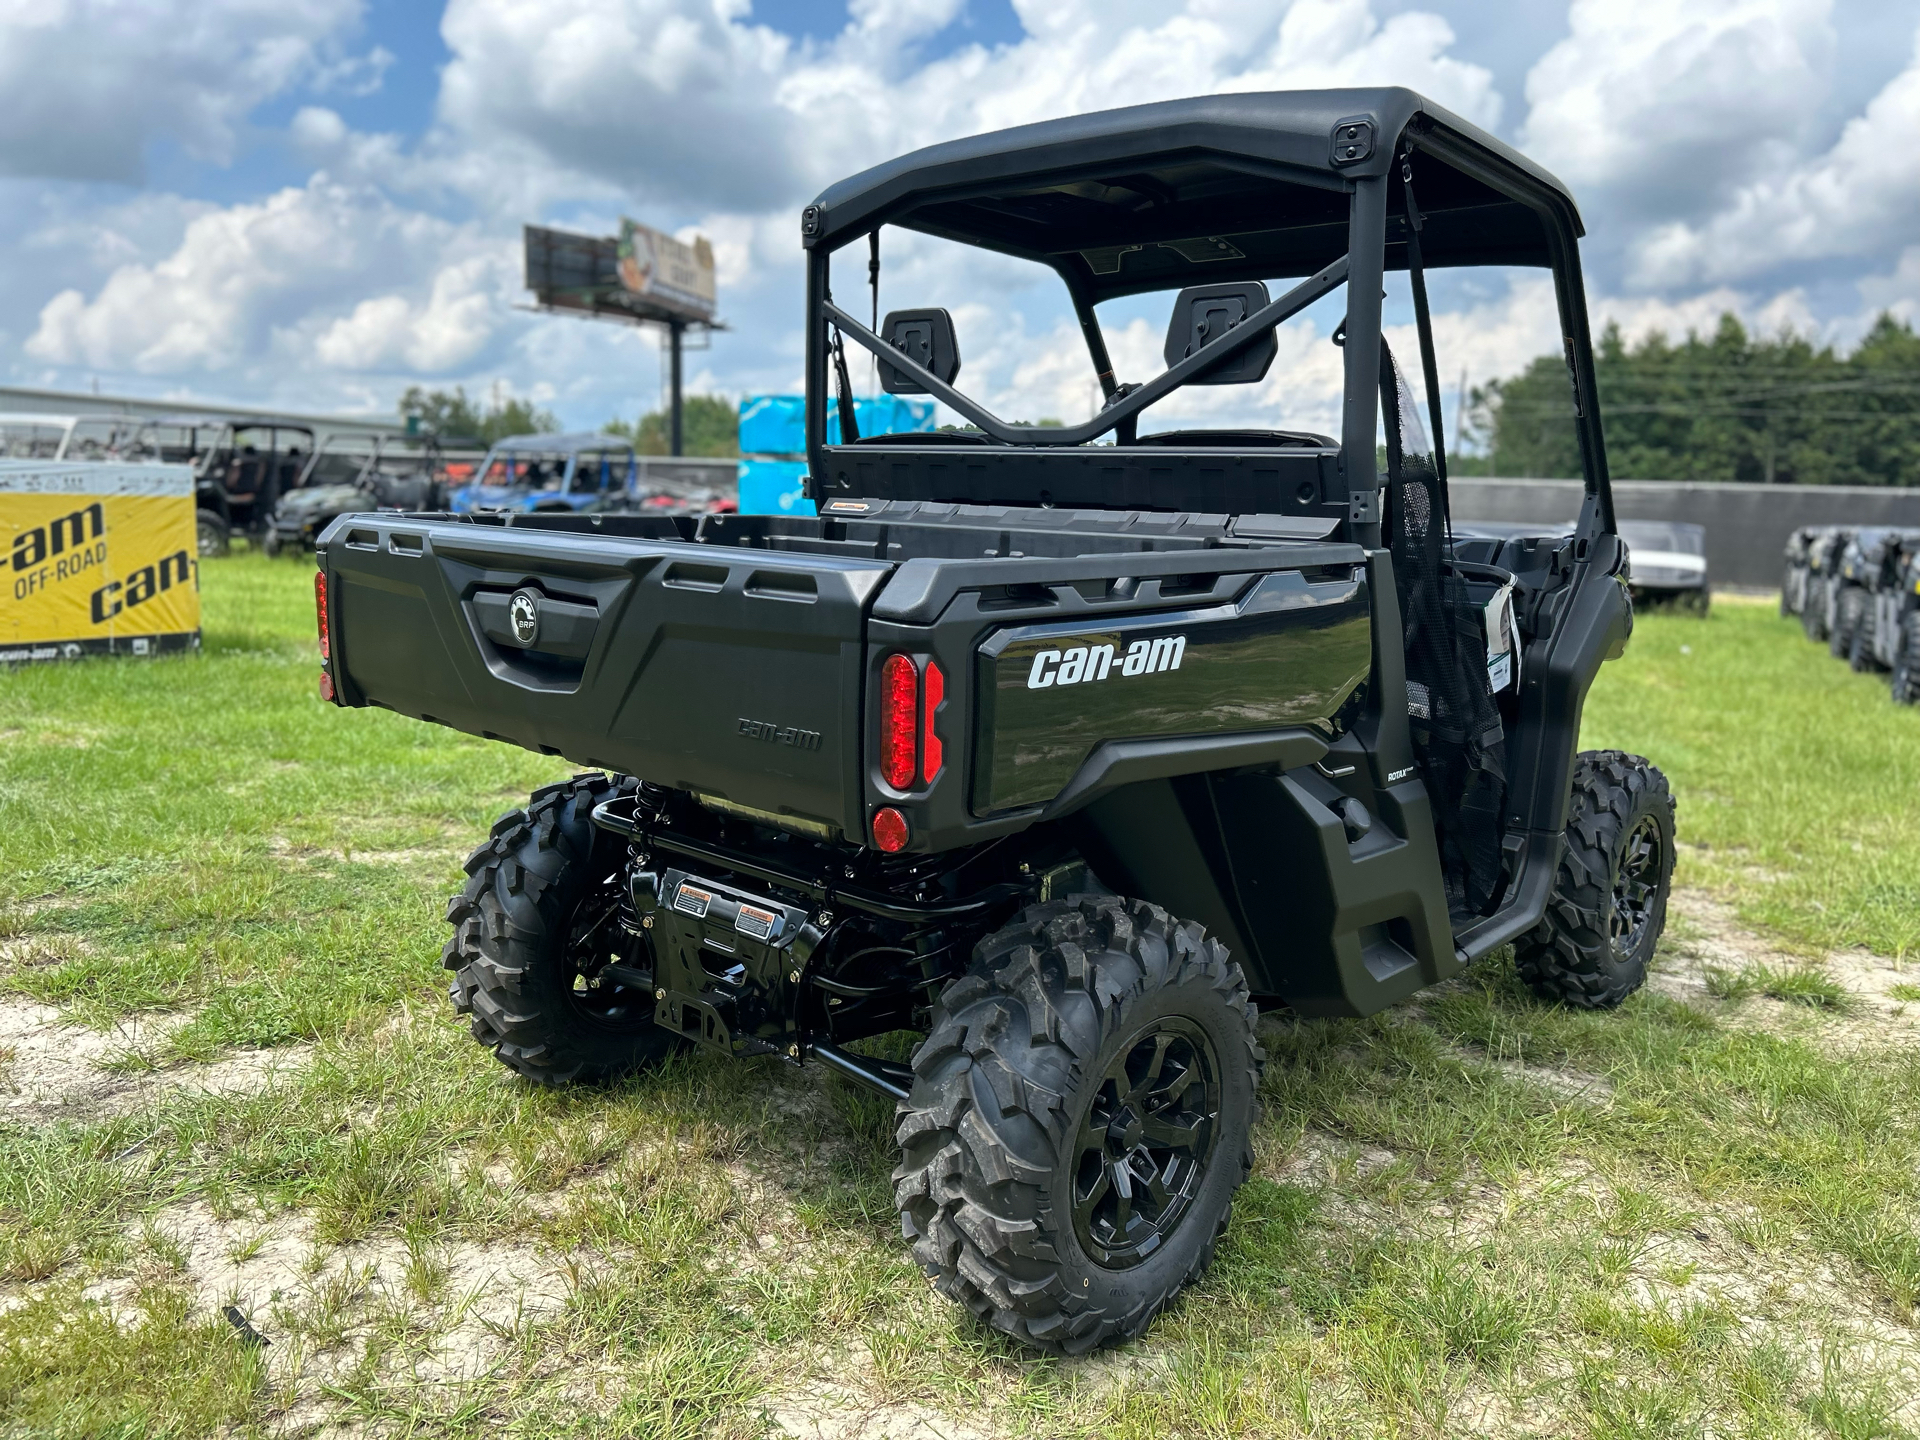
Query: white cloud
x=685, y=106
x=441, y=332
x=1898, y=291
x=652, y=95
x=243, y=274
x=1667, y=108
x=91, y=84
x=1859, y=198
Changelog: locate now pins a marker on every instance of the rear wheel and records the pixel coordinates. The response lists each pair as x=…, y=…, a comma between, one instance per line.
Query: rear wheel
x=1697, y=601
x=1080, y=1119
x=1811, y=612
x=1860, y=643
x=270, y=543
x=1609, y=901
x=1846, y=622
x=212, y=534
x=1906, y=662
x=534, y=928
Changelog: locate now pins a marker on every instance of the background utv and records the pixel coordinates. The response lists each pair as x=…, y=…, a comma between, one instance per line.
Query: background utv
x=1058, y=753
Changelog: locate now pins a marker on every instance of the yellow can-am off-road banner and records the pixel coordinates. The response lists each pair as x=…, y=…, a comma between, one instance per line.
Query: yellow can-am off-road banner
x=96, y=557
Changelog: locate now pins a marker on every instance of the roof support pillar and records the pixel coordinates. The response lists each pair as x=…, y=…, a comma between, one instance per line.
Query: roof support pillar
x=1360, y=418
x=816, y=383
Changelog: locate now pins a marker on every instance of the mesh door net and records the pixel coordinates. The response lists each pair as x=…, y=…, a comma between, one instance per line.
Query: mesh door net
x=1457, y=734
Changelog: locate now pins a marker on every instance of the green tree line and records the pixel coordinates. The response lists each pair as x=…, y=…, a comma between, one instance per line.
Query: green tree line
x=453, y=417
x=1727, y=406
x=709, y=425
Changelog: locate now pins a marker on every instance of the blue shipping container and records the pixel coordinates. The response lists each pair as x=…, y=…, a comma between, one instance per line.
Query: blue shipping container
x=776, y=424
x=773, y=487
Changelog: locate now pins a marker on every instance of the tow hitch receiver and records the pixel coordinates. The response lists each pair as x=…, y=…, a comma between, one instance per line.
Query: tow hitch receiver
x=728, y=964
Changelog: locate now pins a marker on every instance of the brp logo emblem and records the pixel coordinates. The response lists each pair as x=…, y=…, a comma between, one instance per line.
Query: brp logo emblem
x=523, y=613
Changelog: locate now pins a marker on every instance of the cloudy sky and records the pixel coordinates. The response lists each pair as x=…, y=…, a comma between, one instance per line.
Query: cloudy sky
x=316, y=203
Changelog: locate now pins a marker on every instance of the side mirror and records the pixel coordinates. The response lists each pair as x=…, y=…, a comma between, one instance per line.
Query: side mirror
x=925, y=337
x=1204, y=313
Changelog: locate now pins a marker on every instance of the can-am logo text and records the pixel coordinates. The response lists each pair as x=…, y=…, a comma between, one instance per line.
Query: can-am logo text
x=1080, y=664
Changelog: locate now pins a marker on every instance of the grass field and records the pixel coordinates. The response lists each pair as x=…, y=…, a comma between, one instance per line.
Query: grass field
x=228, y=1075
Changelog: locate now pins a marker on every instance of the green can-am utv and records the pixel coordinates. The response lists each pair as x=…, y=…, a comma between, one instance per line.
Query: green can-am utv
x=1061, y=746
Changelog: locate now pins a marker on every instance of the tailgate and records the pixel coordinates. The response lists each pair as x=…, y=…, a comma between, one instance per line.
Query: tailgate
x=732, y=672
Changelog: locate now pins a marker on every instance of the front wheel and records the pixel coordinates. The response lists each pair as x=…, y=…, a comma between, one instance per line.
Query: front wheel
x=534, y=928
x=1609, y=901
x=1081, y=1116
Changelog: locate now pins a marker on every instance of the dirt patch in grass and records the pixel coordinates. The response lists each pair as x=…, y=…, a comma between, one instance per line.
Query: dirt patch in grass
x=429, y=1314
x=53, y=1071
x=438, y=855
x=833, y=1410
x=1844, y=997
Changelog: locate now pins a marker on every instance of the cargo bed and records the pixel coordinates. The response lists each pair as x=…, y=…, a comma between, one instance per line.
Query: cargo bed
x=733, y=657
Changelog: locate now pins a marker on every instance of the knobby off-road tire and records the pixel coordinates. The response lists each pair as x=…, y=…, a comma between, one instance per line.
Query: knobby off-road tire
x=1080, y=1119
x=1906, y=662
x=1811, y=624
x=1848, y=611
x=537, y=914
x=1609, y=901
x=1860, y=643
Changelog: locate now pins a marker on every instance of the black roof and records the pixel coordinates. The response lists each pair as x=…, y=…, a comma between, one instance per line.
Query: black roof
x=1218, y=187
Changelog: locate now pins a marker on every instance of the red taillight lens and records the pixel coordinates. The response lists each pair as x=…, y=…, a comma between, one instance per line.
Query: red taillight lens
x=889, y=829
x=899, y=722
x=320, y=612
x=930, y=742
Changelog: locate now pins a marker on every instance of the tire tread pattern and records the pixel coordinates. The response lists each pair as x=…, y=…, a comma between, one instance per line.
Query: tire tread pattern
x=989, y=1116
x=520, y=890
x=1570, y=955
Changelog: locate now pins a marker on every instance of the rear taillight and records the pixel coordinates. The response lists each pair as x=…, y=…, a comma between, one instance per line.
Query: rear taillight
x=910, y=750
x=320, y=613
x=936, y=691
x=899, y=720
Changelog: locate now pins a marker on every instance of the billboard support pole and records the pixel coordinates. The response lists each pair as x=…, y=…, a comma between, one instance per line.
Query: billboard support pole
x=675, y=329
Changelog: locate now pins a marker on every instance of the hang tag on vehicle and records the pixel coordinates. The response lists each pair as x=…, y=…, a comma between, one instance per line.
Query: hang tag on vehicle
x=1503, y=651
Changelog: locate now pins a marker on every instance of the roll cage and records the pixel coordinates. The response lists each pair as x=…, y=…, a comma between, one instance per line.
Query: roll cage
x=1324, y=188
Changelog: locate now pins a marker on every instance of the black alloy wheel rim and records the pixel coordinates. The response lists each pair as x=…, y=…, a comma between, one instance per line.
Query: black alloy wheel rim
x=1637, y=885
x=1143, y=1146
x=595, y=938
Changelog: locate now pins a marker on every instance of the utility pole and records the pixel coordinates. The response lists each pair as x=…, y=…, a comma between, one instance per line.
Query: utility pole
x=675, y=329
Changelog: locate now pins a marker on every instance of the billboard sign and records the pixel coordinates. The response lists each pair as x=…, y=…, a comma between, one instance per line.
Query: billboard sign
x=667, y=271
x=640, y=274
